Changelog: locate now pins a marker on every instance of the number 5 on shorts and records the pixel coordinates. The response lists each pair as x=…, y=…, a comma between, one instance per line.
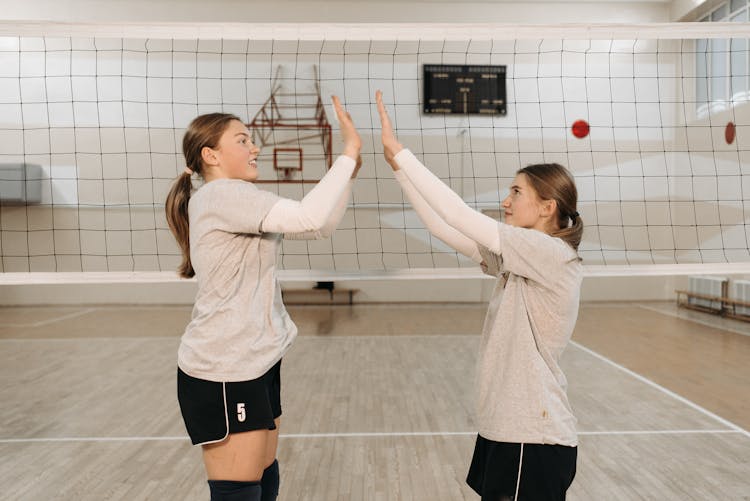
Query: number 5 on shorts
x=241, y=412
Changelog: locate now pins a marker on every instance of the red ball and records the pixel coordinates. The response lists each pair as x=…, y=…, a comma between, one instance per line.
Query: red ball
x=730, y=132
x=580, y=129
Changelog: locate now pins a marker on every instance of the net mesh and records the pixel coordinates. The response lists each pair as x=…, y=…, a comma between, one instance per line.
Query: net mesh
x=90, y=131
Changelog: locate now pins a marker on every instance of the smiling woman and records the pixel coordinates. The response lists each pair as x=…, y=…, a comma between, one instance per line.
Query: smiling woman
x=234, y=157
x=228, y=376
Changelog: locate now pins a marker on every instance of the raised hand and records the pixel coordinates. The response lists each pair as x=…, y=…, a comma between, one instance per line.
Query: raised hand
x=391, y=146
x=349, y=134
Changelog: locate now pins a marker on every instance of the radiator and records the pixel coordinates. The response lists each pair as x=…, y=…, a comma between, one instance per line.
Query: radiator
x=741, y=292
x=709, y=286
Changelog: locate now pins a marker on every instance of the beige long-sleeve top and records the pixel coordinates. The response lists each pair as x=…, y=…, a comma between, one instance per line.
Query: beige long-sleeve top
x=521, y=389
x=239, y=327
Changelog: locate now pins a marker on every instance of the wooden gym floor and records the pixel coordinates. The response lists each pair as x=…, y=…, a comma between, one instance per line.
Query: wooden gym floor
x=377, y=404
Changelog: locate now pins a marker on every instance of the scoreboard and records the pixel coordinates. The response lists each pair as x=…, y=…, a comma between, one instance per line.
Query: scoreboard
x=467, y=89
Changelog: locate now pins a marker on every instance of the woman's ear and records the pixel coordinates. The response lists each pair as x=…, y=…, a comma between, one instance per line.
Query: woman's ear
x=209, y=156
x=549, y=208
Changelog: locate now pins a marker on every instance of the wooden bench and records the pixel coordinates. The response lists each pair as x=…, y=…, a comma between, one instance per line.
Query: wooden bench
x=728, y=305
x=322, y=293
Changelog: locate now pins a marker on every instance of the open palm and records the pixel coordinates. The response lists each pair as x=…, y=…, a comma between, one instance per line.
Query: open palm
x=349, y=134
x=391, y=146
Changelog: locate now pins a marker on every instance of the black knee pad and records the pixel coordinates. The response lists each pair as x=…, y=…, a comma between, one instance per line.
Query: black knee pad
x=234, y=490
x=270, y=482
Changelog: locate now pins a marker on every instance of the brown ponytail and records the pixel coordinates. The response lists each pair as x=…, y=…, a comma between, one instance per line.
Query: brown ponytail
x=573, y=233
x=554, y=182
x=203, y=131
x=177, y=217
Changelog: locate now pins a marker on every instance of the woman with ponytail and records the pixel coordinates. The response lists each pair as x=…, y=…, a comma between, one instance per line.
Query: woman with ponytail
x=228, y=376
x=526, y=447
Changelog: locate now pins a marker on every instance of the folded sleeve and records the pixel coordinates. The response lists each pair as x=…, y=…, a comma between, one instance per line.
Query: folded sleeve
x=232, y=206
x=492, y=264
x=531, y=253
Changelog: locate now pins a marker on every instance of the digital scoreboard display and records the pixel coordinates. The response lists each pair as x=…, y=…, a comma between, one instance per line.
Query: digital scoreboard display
x=467, y=89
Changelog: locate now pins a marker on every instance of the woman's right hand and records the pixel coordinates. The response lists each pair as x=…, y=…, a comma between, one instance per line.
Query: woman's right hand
x=349, y=134
x=391, y=146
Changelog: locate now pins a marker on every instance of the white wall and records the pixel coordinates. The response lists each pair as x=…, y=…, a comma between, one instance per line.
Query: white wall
x=690, y=10
x=338, y=11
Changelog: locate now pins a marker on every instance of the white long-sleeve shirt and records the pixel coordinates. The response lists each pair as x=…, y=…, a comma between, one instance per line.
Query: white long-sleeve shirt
x=521, y=389
x=314, y=216
x=239, y=327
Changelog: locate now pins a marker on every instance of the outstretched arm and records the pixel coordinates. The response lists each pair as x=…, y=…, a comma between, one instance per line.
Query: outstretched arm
x=321, y=209
x=334, y=219
x=447, y=204
x=434, y=219
x=525, y=252
x=435, y=224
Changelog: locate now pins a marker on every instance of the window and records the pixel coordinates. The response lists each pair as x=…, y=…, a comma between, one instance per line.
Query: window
x=721, y=65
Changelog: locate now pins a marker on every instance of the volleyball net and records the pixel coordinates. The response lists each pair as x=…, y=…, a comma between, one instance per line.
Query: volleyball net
x=653, y=121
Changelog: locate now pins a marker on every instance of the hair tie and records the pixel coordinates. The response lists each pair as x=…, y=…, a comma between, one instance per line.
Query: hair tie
x=188, y=171
x=574, y=216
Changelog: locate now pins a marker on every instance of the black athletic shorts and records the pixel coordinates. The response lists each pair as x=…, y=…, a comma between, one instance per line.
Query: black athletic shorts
x=546, y=471
x=212, y=410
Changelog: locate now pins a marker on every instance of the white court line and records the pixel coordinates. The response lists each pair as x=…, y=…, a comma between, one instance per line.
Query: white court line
x=663, y=389
x=380, y=434
x=89, y=439
x=52, y=320
x=474, y=433
x=359, y=435
x=733, y=427
x=675, y=314
x=659, y=432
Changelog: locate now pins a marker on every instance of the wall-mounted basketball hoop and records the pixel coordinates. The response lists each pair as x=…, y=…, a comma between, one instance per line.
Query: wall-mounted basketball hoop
x=295, y=125
x=287, y=161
